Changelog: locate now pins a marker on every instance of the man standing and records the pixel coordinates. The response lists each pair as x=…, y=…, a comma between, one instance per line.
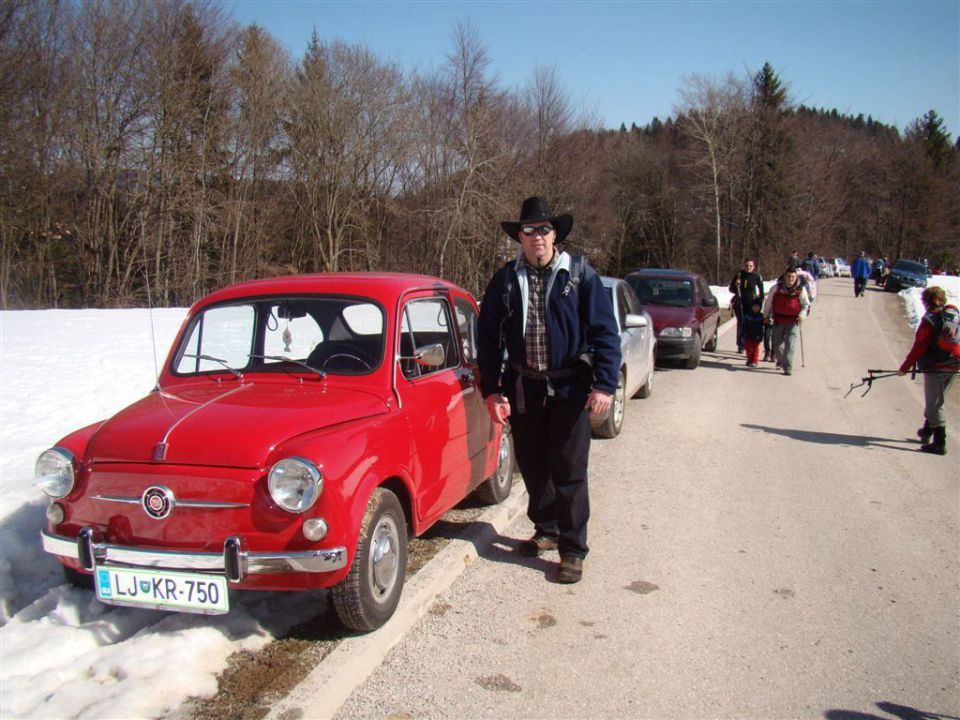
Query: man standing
x=747, y=289
x=786, y=304
x=547, y=309
x=860, y=269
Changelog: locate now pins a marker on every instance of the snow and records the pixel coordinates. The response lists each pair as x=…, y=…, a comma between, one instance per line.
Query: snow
x=62, y=653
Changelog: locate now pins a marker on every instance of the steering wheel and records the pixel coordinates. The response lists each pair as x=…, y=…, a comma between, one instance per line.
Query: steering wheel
x=333, y=355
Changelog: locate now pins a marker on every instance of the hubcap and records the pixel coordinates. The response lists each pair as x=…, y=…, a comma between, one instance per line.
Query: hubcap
x=503, y=460
x=384, y=560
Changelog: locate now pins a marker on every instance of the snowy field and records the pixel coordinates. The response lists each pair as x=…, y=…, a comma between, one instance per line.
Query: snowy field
x=62, y=653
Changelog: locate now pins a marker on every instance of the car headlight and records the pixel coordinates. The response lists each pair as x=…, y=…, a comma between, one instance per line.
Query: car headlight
x=54, y=472
x=295, y=484
x=683, y=332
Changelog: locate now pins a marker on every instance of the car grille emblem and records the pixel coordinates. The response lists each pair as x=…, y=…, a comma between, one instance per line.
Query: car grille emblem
x=158, y=501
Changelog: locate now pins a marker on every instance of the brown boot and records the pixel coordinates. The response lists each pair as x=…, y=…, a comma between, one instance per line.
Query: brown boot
x=571, y=570
x=537, y=545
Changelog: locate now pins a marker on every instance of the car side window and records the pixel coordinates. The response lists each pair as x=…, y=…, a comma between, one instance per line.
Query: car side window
x=633, y=304
x=622, y=306
x=426, y=322
x=467, y=325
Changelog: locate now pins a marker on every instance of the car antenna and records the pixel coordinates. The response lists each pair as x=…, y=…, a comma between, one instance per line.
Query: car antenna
x=153, y=334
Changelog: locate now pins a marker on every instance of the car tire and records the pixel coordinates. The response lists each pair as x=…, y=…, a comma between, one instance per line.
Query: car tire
x=647, y=388
x=694, y=360
x=613, y=423
x=496, y=488
x=368, y=596
x=78, y=579
x=711, y=345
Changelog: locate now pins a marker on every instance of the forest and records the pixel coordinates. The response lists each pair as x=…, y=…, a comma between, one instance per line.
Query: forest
x=153, y=151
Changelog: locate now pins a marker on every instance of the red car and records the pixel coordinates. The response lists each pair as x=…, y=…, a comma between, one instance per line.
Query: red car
x=685, y=313
x=300, y=429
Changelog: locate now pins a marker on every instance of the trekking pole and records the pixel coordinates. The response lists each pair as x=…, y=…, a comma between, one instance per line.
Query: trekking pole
x=880, y=374
x=803, y=363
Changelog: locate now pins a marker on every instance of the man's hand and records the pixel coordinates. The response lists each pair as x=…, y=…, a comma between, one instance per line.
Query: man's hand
x=498, y=407
x=599, y=402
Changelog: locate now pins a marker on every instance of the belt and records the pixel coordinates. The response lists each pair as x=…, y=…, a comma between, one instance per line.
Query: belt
x=545, y=375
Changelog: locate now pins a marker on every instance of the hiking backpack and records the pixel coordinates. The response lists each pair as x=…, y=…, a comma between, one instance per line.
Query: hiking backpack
x=949, y=338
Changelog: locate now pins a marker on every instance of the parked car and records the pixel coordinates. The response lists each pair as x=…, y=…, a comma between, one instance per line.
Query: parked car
x=905, y=274
x=841, y=267
x=826, y=267
x=685, y=313
x=301, y=427
x=637, y=352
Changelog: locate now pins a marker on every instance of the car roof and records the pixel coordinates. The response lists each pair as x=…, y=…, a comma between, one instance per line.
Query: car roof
x=382, y=286
x=610, y=281
x=663, y=272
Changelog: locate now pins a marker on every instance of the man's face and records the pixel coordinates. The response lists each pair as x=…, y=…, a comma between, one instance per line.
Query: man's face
x=538, y=247
x=749, y=266
x=790, y=278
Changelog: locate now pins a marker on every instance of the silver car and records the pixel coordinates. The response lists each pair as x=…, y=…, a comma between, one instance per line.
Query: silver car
x=637, y=347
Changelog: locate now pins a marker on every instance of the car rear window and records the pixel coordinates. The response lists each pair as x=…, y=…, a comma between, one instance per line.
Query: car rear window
x=663, y=291
x=910, y=266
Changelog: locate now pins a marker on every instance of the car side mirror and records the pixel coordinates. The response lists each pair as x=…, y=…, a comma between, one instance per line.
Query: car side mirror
x=710, y=302
x=635, y=321
x=432, y=356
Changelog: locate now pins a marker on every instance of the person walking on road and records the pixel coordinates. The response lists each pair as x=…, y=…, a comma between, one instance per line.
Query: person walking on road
x=747, y=288
x=936, y=351
x=546, y=309
x=860, y=270
x=753, y=332
x=786, y=304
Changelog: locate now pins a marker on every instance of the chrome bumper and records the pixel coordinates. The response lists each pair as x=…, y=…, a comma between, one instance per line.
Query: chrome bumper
x=234, y=561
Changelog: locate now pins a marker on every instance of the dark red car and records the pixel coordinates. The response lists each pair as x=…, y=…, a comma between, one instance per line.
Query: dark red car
x=685, y=313
x=301, y=428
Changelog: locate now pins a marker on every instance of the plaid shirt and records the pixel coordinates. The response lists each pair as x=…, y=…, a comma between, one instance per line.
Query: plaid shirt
x=536, y=343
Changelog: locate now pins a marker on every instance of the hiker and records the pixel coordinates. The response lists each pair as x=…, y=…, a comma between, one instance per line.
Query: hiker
x=786, y=304
x=811, y=265
x=753, y=332
x=860, y=271
x=546, y=309
x=747, y=288
x=936, y=351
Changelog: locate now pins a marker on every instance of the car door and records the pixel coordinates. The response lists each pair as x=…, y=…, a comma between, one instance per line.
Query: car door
x=640, y=355
x=433, y=400
x=481, y=431
x=631, y=339
x=709, y=315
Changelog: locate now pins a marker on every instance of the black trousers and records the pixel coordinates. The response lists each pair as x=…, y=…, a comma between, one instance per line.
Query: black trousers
x=859, y=285
x=552, y=445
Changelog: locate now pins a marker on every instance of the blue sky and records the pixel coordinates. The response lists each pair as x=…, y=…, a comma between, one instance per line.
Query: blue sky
x=626, y=60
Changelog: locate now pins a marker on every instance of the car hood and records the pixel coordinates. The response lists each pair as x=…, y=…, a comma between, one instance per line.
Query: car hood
x=670, y=316
x=224, y=425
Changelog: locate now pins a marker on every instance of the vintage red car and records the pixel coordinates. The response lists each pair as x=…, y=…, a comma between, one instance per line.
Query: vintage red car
x=301, y=428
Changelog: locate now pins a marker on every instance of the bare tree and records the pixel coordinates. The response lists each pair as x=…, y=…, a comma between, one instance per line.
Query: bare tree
x=712, y=113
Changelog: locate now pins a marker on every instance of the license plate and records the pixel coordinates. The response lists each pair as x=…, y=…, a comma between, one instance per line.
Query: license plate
x=162, y=589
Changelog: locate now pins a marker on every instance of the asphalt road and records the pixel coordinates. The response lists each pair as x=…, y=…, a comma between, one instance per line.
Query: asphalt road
x=762, y=547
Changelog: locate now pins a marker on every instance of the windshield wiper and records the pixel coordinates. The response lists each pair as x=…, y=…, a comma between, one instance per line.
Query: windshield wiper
x=283, y=358
x=216, y=360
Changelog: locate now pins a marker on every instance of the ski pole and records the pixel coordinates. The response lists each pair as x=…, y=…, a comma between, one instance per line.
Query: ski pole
x=803, y=362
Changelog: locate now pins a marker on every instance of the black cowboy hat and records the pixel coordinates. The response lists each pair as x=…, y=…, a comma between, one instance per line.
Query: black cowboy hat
x=534, y=210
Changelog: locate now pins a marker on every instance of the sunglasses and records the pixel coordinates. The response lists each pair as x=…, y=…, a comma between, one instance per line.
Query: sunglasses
x=542, y=231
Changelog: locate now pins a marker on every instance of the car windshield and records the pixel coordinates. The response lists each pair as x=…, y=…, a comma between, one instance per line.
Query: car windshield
x=330, y=334
x=910, y=266
x=663, y=291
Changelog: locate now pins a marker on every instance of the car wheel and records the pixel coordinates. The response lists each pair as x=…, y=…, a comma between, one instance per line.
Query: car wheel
x=694, y=360
x=367, y=597
x=78, y=579
x=647, y=387
x=496, y=488
x=613, y=423
x=711, y=345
